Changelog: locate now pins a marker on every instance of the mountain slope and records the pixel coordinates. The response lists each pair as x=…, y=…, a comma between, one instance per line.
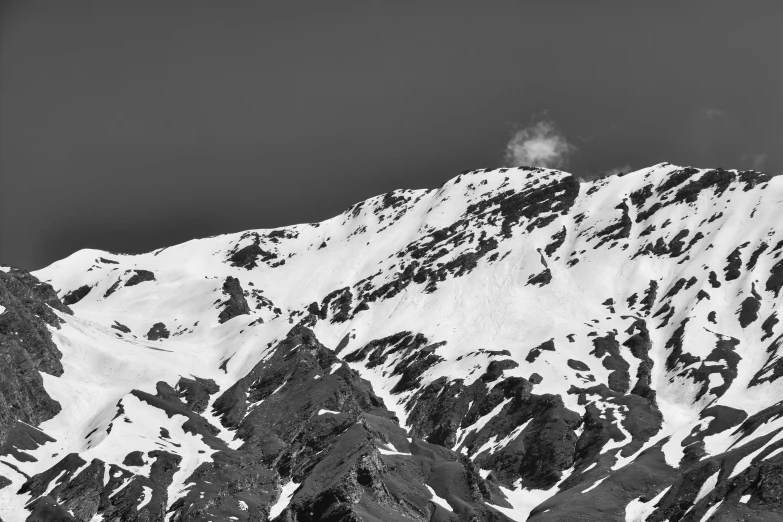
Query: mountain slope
x=514, y=344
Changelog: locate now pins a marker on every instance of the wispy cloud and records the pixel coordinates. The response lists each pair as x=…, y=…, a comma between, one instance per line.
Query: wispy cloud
x=756, y=160
x=538, y=145
x=711, y=113
x=625, y=169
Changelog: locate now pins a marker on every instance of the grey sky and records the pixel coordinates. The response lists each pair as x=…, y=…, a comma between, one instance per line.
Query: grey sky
x=129, y=126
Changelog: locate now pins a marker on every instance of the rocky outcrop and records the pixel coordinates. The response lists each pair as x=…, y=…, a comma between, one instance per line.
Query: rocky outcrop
x=158, y=331
x=77, y=295
x=140, y=276
x=196, y=392
x=78, y=491
x=306, y=418
x=27, y=312
x=236, y=304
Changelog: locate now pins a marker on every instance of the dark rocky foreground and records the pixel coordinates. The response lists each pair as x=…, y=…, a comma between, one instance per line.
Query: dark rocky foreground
x=26, y=350
x=303, y=416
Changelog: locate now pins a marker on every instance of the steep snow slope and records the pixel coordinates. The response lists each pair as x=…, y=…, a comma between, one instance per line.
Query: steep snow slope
x=542, y=349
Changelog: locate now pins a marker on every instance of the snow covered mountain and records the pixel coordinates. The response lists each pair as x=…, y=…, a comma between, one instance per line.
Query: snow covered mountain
x=514, y=345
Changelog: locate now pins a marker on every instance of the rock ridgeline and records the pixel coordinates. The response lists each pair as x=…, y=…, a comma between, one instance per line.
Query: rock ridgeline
x=514, y=345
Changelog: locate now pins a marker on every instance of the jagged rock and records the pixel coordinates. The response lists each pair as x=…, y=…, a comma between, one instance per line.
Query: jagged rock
x=196, y=392
x=121, y=327
x=236, y=303
x=77, y=295
x=140, y=276
x=158, y=331
x=27, y=348
x=134, y=458
x=83, y=490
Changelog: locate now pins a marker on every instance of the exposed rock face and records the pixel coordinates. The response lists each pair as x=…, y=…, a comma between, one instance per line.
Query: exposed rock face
x=158, y=331
x=121, y=327
x=510, y=346
x=140, y=276
x=306, y=417
x=445, y=411
x=236, y=304
x=86, y=489
x=196, y=392
x=77, y=295
x=26, y=348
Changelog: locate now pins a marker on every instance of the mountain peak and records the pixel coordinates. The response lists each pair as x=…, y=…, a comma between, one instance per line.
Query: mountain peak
x=514, y=345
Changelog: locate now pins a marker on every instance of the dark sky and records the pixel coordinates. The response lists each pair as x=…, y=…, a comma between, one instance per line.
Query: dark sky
x=129, y=126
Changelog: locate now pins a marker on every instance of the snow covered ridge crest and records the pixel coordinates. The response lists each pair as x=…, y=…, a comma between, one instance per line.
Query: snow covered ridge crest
x=513, y=345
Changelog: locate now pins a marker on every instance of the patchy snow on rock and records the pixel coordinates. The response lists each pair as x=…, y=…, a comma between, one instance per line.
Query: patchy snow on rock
x=146, y=499
x=523, y=501
x=391, y=451
x=480, y=423
x=124, y=484
x=595, y=485
x=711, y=511
x=638, y=511
x=53, y=483
x=285, y=498
x=708, y=486
x=639, y=310
x=439, y=500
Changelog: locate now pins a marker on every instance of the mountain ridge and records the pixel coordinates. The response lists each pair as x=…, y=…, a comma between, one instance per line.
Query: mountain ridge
x=526, y=345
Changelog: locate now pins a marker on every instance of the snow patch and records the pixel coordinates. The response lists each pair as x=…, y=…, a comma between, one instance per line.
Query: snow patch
x=439, y=500
x=711, y=512
x=523, y=500
x=638, y=511
x=53, y=483
x=708, y=486
x=392, y=451
x=480, y=423
x=122, y=486
x=278, y=388
x=146, y=499
x=597, y=483
x=284, y=500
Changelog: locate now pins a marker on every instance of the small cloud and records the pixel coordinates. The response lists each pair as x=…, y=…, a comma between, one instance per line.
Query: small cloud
x=711, y=113
x=757, y=160
x=538, y=145
x=614, y=171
